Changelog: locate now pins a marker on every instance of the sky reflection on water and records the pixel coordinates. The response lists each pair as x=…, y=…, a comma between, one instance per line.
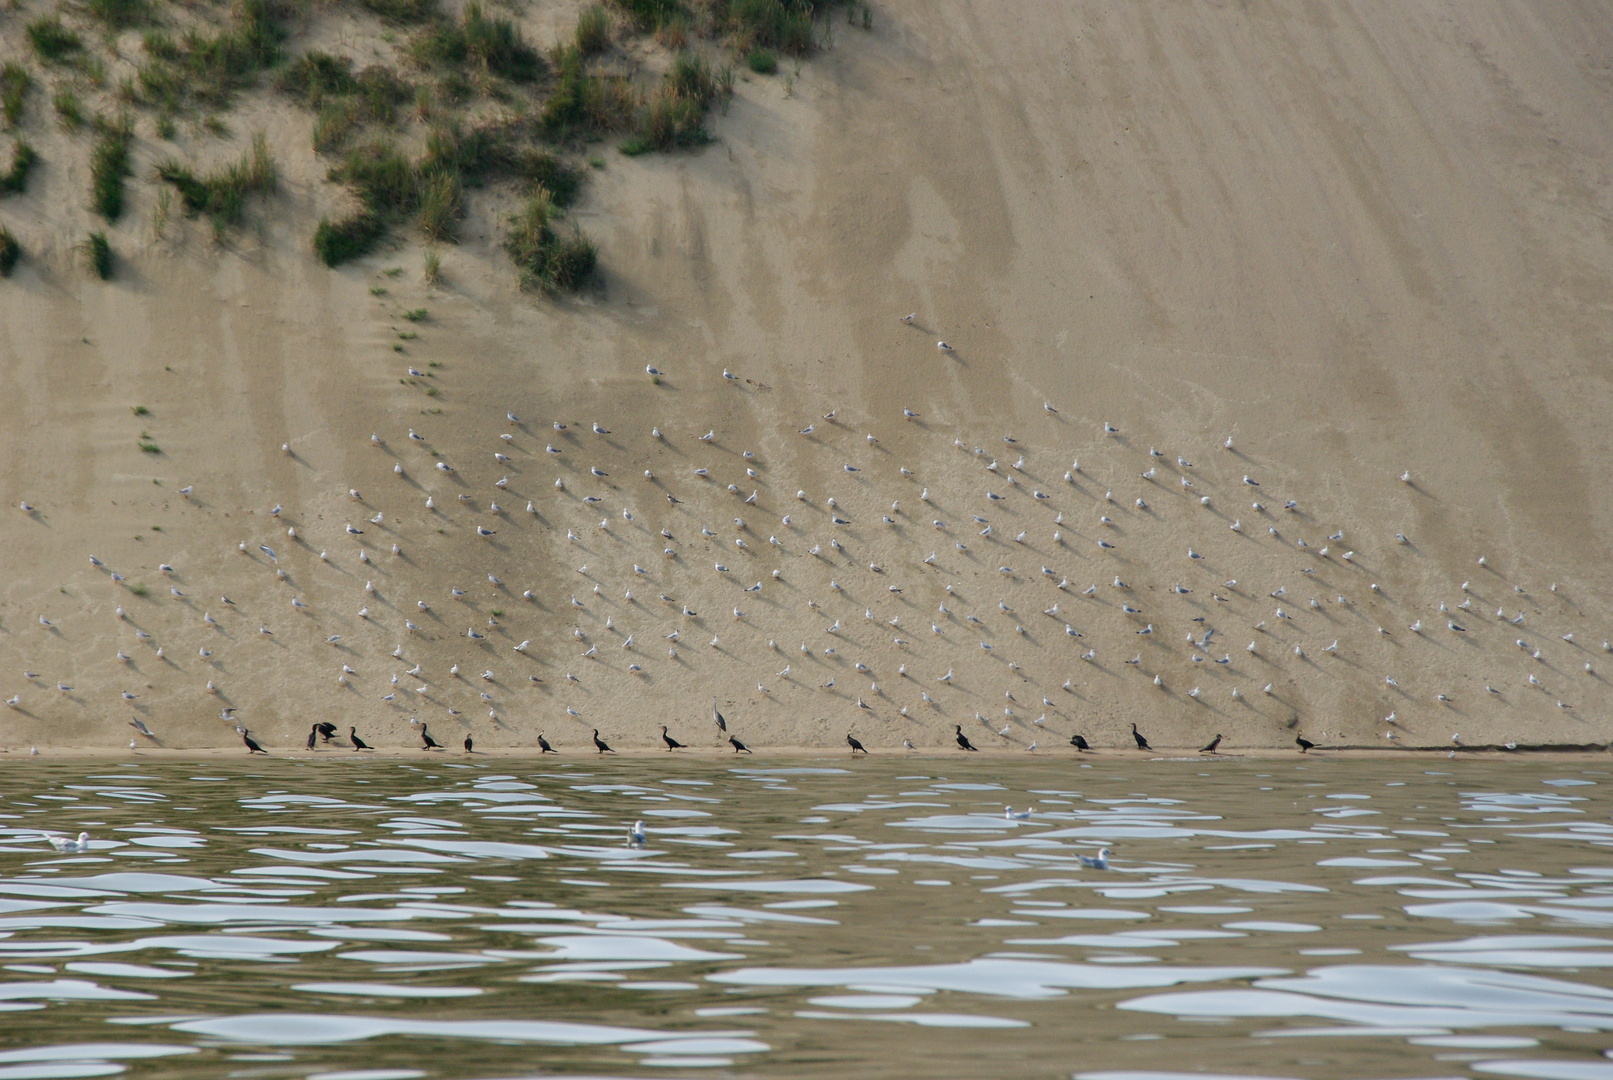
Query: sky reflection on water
x=454, y=919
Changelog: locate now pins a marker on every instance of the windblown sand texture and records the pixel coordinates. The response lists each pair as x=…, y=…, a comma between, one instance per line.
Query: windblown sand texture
x=1358, y=240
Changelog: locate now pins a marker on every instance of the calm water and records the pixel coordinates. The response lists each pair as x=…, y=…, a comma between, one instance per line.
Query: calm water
x=375, y=919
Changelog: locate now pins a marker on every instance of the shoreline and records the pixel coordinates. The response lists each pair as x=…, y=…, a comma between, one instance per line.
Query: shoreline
x=1354, y=753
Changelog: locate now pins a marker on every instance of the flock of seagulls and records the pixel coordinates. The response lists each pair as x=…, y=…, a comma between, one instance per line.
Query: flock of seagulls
x=1017, y=583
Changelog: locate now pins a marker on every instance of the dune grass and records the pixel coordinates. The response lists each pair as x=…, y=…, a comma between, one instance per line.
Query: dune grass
x=336, y=242
x=198, y=68
x=494, y=45
x=441, y=199
x=15, y=179
x=10, y=252
x=464, y=60
x=344, y=101
x=593, y=30
x=54, y=43
x=406, y=12
x=98, y=251
x=583, y=105
x=15, y=83
x=784, y=25
x=391, y=189
x=118, y=14
x=109, y=165
x=652, y=15
x=674, y=114
x=544, y=258
x=429, y=192
x=69, y=109
x=221, y=196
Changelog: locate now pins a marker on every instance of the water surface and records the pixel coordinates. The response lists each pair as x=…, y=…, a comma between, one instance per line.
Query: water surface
x=382, y=920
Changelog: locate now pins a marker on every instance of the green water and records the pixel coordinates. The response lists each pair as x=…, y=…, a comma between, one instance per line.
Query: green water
x=375, y=919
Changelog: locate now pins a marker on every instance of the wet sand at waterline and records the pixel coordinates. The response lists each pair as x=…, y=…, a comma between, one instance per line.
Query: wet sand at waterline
x=1358, y=257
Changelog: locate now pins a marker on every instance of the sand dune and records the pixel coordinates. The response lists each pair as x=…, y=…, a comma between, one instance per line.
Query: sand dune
x=1357, y=257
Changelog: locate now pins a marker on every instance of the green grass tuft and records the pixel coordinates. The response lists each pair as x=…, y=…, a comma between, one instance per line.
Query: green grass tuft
x=495, y=152
x=762, y=61
x=402, y=11
x=492, y=44
x=785, y=25
x=15, y=179
x=675, y=114
x=139, y=410
x=545, y=259
x=335, y=242
x=69, y=109
x=385, y=180
x=338, y=119
x=345, y=101
x=416, y=315
x=221, y=196
x=96, y=249
x=651, y=15
x=582, y=104
x=109, y=164
x=209, y=69
x=593, y=30
x=440, y=201
x=14, y=86
x=53, y=42
x=118, y=14
x=10, y=252
x=139, y=588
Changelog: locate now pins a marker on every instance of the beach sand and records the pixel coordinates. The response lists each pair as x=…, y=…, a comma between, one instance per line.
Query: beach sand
x=1359, y=241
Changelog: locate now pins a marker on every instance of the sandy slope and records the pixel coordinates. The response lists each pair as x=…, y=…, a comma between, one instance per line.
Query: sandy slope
x=1357, y=239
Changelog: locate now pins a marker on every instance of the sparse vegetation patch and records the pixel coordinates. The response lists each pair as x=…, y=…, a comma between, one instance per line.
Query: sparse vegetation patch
x=117, y=14
x=15, y=83
x=53, y=42
x=546, y=259
x=456, y=69
x=674, y=115
x=109, y=164
x=785, y=25
x=69, y=110
x=652, y=15
x=402, y=11
x=221, y=196
x=198, y=68
x=15, y=179
x=10, y=252
x=99, y=253
x=593, y=30
x=335, y=242
x=584, y=105
x=494, y=45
